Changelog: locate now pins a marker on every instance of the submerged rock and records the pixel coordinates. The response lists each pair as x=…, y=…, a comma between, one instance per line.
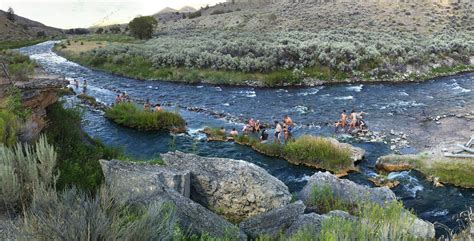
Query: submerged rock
x=233, y=188
x=273, y=222
x=347, y=191
x=144, y=184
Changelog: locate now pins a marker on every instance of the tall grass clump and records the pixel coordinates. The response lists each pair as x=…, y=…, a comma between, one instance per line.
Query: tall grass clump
x=12, y=116
x=371, y=222
x=128, y=114
x=318, y=151
x=24, y=169
x=455, y=171
x=324, y=200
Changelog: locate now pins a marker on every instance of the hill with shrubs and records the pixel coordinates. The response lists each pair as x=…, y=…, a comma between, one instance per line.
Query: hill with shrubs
x=20, y=28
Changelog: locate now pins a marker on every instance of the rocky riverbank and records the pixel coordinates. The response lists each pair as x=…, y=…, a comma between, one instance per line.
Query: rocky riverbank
x=210, y=192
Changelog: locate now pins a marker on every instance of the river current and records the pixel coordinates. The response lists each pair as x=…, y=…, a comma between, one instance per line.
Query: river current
x=389, y=106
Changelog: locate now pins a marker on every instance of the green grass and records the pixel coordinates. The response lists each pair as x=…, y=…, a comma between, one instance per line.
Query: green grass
x=454, y=171
x=318, y=151
x=324, y=200
x=130, y=115
x=119, y=38
x=308, y=150
x=448, y=170
x=14, y=44
x=78, y=153
x=12, y=116
x=88, y=99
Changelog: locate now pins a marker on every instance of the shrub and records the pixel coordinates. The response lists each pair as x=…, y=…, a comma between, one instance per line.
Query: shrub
x=8, y=128
x=74, y=215
x=23, y=169
x=128, y=114
x=195, y=15
x=320, y=151
x=21, y=71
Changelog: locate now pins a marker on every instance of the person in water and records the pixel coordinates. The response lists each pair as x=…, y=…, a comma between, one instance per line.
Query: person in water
x=278, y=130
x=118, y=99
x=342, y=122
x=84, y=87
x=286, y=133
x=222, y=130
x=263, y=135
x=158, y=108
x=289, y=123
x=147, y=105
x=234, y=132
x=257, y=126
x=353, y=117
x=76, y=83
x=251, y=123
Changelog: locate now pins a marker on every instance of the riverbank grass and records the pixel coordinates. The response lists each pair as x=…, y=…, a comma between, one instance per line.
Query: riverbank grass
x=312, y=151
x=130, y=115
x=454, y=171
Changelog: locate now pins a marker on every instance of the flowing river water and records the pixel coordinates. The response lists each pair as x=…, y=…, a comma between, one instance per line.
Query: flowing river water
x=389, y=106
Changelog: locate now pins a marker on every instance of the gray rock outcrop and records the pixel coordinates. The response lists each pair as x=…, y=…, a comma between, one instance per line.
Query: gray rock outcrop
x=310, y=222
x=132, y=185
x=347, y=191
x=233, y=188
x=273, y=222
x=151, y=176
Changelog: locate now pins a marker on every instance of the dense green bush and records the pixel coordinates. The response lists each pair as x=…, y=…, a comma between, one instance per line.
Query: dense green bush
x=142, y=27
x=130, y=115
x=316, y=150
x=78, y=153
x=325, y=200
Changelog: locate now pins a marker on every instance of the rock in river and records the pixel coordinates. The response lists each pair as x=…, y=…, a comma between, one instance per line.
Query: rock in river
x=348, y=191
x=233, y=188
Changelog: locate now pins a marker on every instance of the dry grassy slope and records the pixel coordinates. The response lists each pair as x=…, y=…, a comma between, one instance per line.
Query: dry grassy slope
x=23, y=28
x=422, y=17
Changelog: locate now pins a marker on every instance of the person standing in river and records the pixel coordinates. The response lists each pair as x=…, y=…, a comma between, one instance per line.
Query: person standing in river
x=353, y=118
x=147, y=105
x=342, y=122
x=278, y=130
x=289, y=125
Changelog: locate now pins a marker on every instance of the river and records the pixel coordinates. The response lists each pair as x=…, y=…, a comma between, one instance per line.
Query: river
x=389, y=106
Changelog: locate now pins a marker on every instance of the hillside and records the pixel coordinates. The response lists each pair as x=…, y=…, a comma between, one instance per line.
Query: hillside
x=23, y=28
x=424, y=17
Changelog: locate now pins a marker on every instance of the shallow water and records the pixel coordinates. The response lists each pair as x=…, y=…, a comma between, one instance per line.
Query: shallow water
x=389, y=106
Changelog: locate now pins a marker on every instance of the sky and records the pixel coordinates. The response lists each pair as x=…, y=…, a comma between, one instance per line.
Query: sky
x=87, y=13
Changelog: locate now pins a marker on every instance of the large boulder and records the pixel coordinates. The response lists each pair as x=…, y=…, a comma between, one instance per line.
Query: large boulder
x=151, y=176
x=233, y=188
x=311, y=222
x=347, y=191
x=274, y=222
x=357, y=153
x=138, y=184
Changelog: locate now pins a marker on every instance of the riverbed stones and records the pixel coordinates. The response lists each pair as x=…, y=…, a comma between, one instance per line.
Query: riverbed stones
x=274, y=222
x=151, y=176
x=135, y=184
x=233, y=188
x=357, y=154
x=347, y=191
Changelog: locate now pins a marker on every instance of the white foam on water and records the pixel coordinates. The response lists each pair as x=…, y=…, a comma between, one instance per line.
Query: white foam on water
x=437, y=212
x=455, y=86
x=301, y=109
x=304, y=178
x=350, y=97
x=246, y=93
x=197, y=133
x=150, y=87
x=226, y=104
x=403, y=93
x=311, y=91
x=401, y=103
x=218, y=88
x=357, y=88
x=282, y=91
x=410, y=184
x=200, y=86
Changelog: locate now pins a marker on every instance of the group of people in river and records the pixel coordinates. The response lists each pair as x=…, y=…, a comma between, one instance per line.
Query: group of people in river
x=147, y=106
x=282, y=129
x=84, y=85
x=356, y=121
x=123, y=97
